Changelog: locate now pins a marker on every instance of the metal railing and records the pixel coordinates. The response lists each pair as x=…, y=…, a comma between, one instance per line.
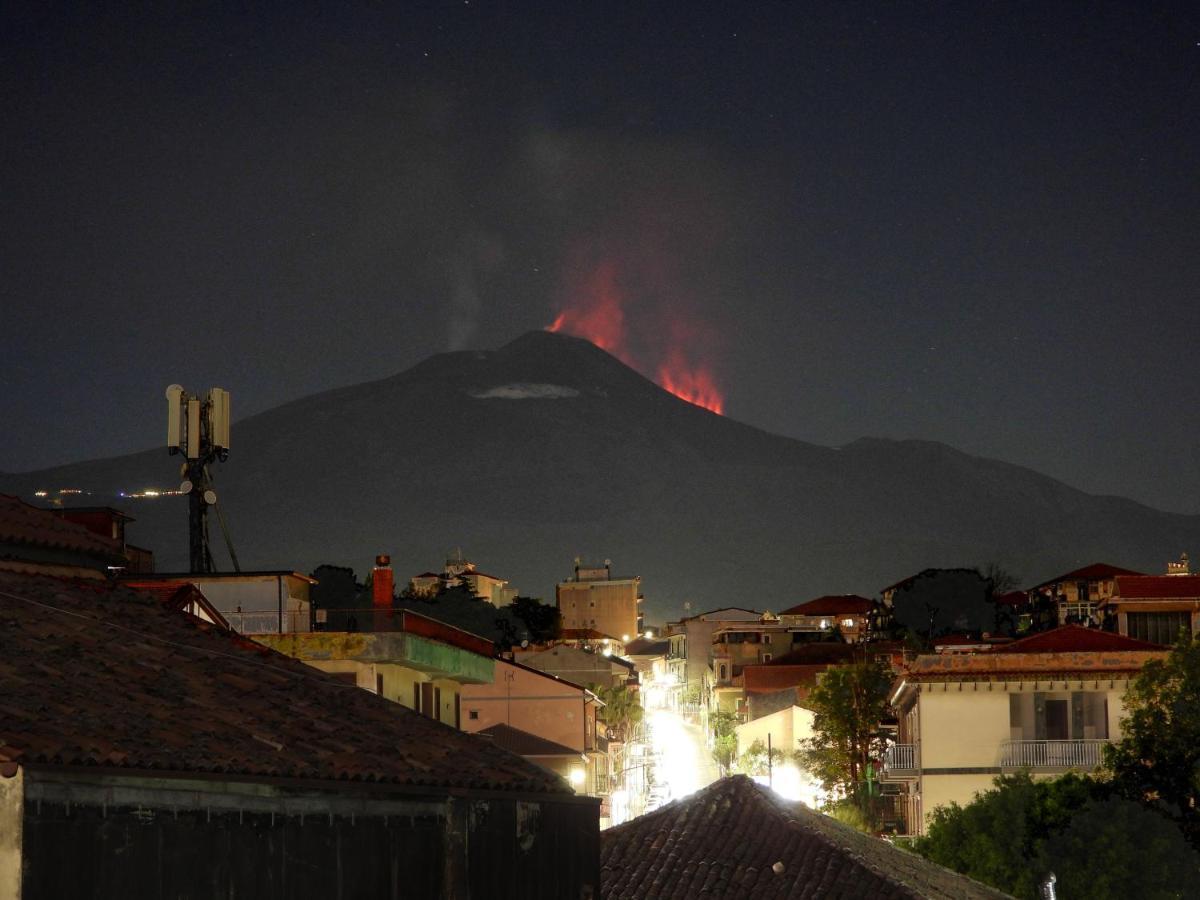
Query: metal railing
x=1051, y=754
x=901, y=758
x=899, y=814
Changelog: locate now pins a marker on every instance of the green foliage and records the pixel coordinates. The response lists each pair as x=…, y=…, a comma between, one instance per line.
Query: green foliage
x=543, y=621
x=754, y=760
x=1158, y=760
x=724, y=739
x=848, y=704
x=622, y=709
x=850, y=812
x=1012, y=836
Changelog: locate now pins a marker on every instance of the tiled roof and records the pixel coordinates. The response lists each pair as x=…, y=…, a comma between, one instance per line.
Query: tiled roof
x=648, y=647
x=735, y=839
x=514, y=740
x=841, y=605
x=814, y=653
x=1075, y=639
x=99, y=675
x=1158, y=587
x=23, y=524
x=769, y=678
x=584, y=634
x=1094, y=572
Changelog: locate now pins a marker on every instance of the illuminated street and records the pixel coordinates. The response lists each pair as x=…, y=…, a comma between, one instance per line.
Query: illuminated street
x=683, y=763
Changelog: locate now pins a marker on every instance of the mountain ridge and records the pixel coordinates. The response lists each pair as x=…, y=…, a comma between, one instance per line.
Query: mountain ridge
x=548, y=448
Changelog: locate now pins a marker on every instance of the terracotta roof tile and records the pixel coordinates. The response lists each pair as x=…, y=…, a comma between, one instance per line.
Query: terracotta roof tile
x=1094, y=572
x=736, y=839
x=1075, y=639
x=1158, y=587
x=840, y=605
x=96, y=674
x=23, y=524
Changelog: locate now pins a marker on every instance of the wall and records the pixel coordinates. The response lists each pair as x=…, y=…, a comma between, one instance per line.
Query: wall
x=398, y=682
x=787, y=727
x=530, y=701
x=612, y=604
x=964, y=728
x=12, y=807
x=142, y=838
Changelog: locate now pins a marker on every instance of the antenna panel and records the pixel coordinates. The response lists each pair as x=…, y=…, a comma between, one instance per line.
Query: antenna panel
x=218, y=418
x=174, y=416
x=193, y=428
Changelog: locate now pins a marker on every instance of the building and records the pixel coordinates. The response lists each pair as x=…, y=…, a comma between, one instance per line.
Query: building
x=268, y=602
x=585, y=667
x=849, y=614
x=593, y=599
x=1155, y=608
x=649, y=656
x=1048, y=703
x=692, y=655
x=1078, y=594
x=146, y=754
x=40, y=540
x=735, y=839
x=461, y=571
x=736, y=646
x=110, y=523
x=789, y=679
x=549, y=708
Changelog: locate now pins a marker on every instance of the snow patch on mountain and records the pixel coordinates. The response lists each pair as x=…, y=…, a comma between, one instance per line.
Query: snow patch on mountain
x=525, y=391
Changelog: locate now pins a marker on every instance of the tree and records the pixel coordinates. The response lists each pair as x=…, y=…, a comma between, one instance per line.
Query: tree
x=543, y=621
x=1014, y=835
x=1157, y=762
x=724, y=739
x=754, y=760
x=848, y=705
x=622, y=711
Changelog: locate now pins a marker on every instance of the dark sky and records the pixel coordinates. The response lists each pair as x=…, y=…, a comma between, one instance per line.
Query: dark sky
x=973, y=223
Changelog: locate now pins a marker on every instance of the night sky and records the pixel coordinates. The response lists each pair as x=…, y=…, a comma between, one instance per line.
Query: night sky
x=972, y=223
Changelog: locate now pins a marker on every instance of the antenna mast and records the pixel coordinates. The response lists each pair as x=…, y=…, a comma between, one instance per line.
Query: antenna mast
x=198, y=428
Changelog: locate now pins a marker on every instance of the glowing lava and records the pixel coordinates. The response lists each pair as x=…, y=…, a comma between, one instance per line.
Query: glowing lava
x=694, y=384
x=597, y=313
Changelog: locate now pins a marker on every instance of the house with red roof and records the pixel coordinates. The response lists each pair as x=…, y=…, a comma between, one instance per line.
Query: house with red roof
x=1079, y=593
x=41, y=540
x=1156, y=608
x=1048, y=703
x=849, y=614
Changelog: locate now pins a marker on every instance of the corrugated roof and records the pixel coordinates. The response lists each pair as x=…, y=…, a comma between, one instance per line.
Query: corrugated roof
x=24, y=524
x=1158, y=587
x=100, y=675
x=736, y=839
x=832, y=605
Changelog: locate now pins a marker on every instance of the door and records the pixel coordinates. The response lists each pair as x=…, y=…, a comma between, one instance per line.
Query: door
x=1058, y=720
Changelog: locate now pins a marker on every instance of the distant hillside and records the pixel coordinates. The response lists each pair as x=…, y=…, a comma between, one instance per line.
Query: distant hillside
x=549, y=448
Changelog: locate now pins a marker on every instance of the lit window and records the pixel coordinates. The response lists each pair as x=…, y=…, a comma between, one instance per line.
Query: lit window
x=847, y=623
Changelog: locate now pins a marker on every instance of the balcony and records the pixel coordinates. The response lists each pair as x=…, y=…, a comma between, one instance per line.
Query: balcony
x=1051, y=754
x=901, y=761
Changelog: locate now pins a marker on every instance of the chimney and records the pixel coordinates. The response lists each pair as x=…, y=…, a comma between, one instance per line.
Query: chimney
x=381, y=582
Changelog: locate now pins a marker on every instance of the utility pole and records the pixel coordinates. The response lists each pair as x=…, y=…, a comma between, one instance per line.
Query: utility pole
x=198, y=428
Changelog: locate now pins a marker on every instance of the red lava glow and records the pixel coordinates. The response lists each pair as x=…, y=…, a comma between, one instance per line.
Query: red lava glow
x=597, y=314
x=694, y=384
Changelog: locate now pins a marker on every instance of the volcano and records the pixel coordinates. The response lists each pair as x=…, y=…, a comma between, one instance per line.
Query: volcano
x=549, y=448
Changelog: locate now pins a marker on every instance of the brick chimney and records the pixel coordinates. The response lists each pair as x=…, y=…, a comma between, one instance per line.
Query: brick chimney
x=381, y=582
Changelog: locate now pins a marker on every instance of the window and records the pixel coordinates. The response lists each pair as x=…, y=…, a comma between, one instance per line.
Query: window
x=473, y=714
x=724, y=673
x=1159, y=627
x=417, y=696
x=437, y=703
x=766, y=657
x=766, y=639
x=379, y=684
x=428, y=708
x=847, y=623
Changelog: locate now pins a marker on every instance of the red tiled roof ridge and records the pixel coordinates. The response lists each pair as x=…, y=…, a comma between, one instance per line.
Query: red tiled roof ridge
x=24, y=523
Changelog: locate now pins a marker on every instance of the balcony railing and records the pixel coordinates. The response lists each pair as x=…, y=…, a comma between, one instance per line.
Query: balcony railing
x=1051, y=754
x=900, y=759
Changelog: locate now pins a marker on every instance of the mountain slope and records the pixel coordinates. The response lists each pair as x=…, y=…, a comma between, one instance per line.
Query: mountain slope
x=549, y=448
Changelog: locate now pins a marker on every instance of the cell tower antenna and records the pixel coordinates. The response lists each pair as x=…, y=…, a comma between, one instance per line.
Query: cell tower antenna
x=198, y=429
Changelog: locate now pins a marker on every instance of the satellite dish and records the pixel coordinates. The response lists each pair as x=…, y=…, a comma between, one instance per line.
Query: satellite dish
x=210, y=497
x=185, y=488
